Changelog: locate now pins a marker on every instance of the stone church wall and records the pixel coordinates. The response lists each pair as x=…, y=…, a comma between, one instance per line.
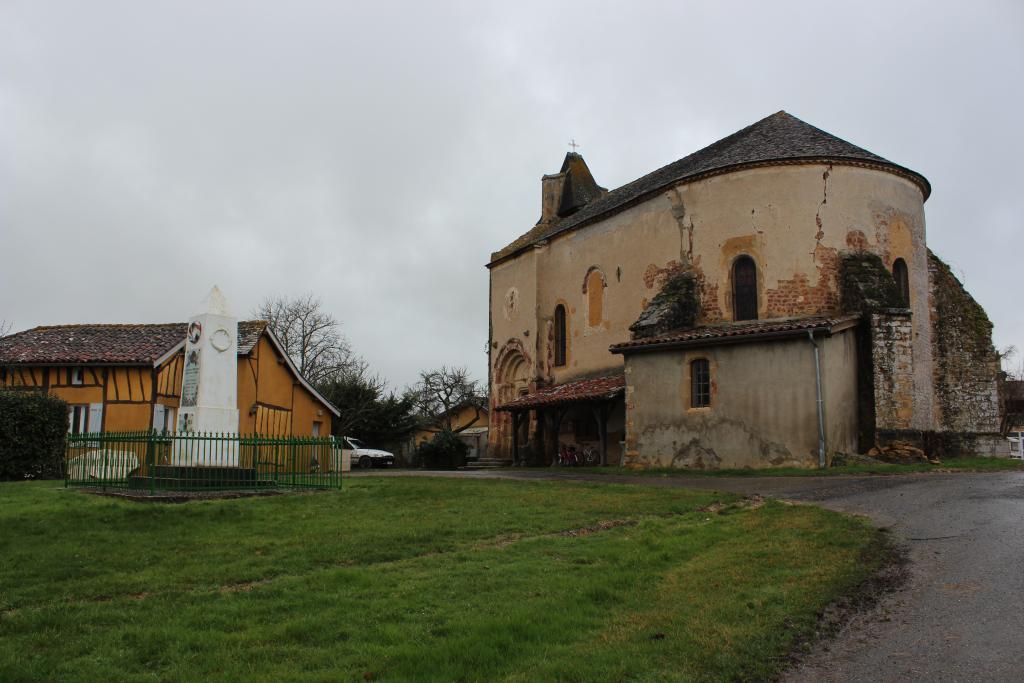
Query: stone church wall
x=892, y=365
x=794, y=220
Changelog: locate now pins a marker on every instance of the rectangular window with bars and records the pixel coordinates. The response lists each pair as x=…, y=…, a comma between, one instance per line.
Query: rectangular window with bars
x=700, y=383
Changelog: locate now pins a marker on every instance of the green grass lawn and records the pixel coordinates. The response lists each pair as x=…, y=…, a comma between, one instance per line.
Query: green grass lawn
x=417, y=579
x=948, y=465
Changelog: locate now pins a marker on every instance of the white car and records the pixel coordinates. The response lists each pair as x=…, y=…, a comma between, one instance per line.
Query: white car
x=368, y=457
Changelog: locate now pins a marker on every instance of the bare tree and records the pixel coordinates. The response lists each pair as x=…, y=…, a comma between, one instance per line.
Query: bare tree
x=441, y=393
x=5, y=327
x=310, y=336
x=1006, y=357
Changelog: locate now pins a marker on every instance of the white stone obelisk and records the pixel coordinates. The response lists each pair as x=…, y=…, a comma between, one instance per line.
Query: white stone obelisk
x=209, y=387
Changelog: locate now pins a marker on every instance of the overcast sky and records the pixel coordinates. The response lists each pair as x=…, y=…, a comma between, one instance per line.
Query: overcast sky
x=375, y=154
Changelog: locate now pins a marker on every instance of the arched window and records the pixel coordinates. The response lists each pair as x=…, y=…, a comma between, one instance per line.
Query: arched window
x=560, y=338
x=902, y=278
x=744, y=289
x=700, y=383
x=595, y=297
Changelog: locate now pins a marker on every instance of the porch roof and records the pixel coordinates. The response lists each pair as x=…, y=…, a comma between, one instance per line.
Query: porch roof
x=740, y=332
x=579, y=391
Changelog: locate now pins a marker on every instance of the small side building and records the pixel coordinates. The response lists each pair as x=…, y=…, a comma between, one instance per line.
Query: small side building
x=749, y=394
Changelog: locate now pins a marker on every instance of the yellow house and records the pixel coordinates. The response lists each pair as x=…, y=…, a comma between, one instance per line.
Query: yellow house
x=469, y=420
x=128, y=377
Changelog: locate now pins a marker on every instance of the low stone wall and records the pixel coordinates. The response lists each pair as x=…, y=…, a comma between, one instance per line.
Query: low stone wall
x=949, y=444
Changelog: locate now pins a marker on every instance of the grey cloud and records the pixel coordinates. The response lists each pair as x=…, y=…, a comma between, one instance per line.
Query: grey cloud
x=376, y=154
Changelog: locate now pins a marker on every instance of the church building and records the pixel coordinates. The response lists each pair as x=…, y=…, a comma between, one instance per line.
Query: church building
x=769, y=300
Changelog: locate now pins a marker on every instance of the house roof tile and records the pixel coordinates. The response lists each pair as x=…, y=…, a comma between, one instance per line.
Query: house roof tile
x=736, y=332
x=129, y=344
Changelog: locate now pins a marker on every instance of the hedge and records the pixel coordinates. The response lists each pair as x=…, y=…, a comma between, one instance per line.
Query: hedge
x=33, y=428
x=445, y=450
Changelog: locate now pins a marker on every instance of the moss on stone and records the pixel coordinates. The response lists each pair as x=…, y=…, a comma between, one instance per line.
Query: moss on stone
x=966, y=363
x=865, y=284
x=952, y=299
x=675, y=307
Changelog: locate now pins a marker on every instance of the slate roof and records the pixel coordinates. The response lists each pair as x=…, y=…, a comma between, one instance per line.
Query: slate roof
x=249, y=332
x=779, y=137
x=739, y=332
x=580, y=187
x=107, y=344
x=593, y=389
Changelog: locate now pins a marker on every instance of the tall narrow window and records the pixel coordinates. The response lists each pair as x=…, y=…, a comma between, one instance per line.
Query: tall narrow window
x=744, y=289
x=902, y=278
x=700, y=383
x=595, y=297
x=560, y=341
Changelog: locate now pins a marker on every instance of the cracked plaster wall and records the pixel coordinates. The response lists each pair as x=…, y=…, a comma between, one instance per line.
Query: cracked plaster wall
x=763, y=407
x=792, y=219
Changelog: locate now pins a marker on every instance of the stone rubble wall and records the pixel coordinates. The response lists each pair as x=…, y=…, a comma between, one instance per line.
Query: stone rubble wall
x=966, y=366
x=948, y=444
x=892, y=361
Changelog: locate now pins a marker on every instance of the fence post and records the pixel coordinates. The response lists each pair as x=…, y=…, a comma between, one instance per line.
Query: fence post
x=103, y=472
x=293, y=460
x=151, y=461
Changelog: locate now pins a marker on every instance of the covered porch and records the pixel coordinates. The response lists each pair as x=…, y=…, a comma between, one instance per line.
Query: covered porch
x=577, y=422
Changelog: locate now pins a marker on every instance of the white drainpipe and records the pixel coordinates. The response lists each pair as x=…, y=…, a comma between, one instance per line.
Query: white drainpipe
x=821, y=413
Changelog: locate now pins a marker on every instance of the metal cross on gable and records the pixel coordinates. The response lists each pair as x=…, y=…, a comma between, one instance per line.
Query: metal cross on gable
x=572, y=143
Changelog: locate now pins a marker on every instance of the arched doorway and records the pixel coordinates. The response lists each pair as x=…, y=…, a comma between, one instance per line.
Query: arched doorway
x=512, y=374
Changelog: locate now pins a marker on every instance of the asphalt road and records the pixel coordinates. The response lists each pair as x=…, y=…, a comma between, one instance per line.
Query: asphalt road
x=960, y=616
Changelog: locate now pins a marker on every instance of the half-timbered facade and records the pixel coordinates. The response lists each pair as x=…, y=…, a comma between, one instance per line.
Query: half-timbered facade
x=129, y=377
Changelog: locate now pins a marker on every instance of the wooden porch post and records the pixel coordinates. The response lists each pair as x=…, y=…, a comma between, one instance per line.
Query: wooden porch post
x=515, y=438
x=556, y=430
x=601, y=414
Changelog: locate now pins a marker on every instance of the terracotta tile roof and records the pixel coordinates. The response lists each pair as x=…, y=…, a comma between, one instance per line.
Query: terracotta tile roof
x=113, y=344
x=780, y=137
x=571, y=392
x=736, y=332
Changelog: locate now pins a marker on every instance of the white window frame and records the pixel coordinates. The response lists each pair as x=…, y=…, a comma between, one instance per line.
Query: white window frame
x=77, y=376
x=83, y=417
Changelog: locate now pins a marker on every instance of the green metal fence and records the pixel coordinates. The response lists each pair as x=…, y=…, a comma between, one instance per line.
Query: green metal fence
x=151, y=461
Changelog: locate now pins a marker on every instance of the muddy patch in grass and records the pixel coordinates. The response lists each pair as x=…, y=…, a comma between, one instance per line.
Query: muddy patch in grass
x=595, y=528
x=892, y=575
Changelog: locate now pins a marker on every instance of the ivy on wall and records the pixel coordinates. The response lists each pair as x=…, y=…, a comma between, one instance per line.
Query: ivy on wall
x=675, y=307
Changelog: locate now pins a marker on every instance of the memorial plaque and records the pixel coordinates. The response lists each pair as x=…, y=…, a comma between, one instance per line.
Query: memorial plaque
x=190, y=380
